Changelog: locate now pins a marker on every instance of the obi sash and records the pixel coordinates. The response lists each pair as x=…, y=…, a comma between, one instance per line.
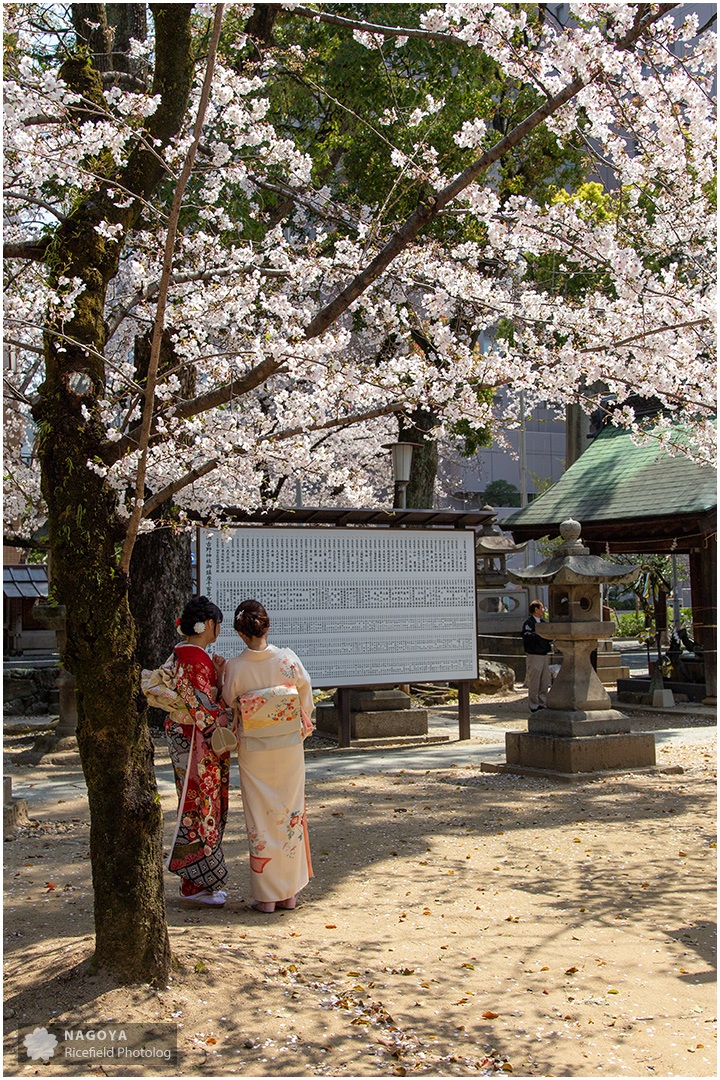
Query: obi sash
x=271, y=718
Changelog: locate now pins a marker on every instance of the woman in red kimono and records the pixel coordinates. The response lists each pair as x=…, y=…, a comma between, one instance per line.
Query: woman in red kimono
x=201, y=777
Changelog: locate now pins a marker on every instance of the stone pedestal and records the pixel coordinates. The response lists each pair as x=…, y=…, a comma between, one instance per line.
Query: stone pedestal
x=63, y=737
x=375, y=714
x=609, y=664
x=580, y=753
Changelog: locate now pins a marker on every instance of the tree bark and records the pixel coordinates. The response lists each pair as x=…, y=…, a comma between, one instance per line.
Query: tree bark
x=161, y=583
x=113, y=738
x=420, y=492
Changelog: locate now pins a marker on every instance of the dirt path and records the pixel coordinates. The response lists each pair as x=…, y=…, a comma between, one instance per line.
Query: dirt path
x=459, y=923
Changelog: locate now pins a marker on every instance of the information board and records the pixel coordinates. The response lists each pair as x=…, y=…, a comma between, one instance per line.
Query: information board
x=358, y=606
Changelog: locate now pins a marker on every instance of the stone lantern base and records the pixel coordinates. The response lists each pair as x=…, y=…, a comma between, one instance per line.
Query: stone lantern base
x=579, y=754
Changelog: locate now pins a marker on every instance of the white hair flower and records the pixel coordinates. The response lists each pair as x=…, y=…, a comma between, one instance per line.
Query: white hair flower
x=198, y=627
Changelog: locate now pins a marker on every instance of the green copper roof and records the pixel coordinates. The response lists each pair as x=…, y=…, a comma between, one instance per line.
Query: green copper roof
x=617, y=480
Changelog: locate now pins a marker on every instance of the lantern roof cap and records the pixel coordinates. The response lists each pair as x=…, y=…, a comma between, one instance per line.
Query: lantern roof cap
x=572, y=564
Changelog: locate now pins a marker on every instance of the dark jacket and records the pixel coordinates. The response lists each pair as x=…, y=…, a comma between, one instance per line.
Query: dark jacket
x=532, y=642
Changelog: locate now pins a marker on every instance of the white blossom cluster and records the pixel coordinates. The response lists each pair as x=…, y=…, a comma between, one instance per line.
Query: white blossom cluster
x=242, y=299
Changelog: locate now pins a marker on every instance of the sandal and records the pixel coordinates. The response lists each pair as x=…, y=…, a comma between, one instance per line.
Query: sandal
x=259, y=905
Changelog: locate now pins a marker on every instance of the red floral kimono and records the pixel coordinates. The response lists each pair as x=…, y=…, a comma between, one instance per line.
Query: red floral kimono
x=201, y=778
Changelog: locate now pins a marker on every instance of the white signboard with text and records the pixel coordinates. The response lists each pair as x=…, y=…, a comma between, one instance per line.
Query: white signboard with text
x=358, y=606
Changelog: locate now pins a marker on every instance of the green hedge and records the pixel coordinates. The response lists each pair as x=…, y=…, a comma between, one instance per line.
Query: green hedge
x=631, y=624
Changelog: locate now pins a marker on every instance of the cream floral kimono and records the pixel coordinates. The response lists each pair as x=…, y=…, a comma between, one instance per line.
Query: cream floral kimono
x=272, y=766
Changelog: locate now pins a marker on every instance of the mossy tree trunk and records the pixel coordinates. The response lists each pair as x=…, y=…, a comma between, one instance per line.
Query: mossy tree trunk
x=85, y=531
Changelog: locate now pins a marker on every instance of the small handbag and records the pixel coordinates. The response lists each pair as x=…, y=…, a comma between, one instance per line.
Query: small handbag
x=223, y=741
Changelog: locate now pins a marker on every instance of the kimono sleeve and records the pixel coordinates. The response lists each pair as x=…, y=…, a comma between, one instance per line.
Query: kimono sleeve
x=304, y=686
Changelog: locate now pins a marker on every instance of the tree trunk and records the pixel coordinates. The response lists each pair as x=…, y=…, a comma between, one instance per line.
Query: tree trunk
x=160, y=585
x=127, y=21
x=423, y=469
x=113, y=739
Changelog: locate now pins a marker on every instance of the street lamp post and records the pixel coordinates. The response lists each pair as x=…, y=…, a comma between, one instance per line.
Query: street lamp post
x=401, y=459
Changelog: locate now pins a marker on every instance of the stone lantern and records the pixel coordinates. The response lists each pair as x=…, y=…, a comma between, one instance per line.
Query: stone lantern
x=492, y=549
x=579, y=730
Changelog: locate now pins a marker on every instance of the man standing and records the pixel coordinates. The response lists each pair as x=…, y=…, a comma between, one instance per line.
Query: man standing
x=536, y=657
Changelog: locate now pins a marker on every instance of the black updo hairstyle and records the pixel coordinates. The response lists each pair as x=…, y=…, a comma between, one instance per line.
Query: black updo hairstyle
x=251, y=619
x=198, y=609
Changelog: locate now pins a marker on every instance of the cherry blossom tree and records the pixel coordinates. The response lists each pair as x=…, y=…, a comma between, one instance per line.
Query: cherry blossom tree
x=194, y=314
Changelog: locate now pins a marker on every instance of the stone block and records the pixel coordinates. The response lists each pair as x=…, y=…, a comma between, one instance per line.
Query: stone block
x=567, y=722
x=14, y=813
x=663, y=699
x=384, y=723
x=585, y=754
x=18, y=688
x=378, y=700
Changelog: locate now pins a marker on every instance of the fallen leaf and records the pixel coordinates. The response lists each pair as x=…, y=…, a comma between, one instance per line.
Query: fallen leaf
x=210, y=1042
x=571, y=971
x=490, y=1016
x=200, y=966
x=471, y=966
x=331, y=926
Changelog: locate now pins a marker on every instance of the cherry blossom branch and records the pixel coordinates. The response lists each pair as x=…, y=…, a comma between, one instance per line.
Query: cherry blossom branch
x=432, y=206
x=646, y=334
x=80, y=344
x=149, y=407
x=373, y=28
x=256, y=376
x=37, y=202
x=197, y=473
x=121, y=311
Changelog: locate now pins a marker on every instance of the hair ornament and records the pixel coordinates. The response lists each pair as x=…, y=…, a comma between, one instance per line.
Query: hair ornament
x=198, y=627
x=177, y=625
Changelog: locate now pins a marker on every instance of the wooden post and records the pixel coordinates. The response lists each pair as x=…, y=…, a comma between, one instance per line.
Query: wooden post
x=344, y=722
x=708, y=601
x=464, y=709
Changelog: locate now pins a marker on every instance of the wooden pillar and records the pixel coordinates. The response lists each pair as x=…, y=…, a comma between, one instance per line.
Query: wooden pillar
x=464, y=709
x=695, y=560
x=708, y=601
x=344, y=720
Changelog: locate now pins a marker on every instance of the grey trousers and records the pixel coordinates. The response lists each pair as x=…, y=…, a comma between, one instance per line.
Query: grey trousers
x=537, y=677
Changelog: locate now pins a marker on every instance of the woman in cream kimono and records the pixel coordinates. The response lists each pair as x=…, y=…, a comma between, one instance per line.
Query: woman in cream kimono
x=270, y=693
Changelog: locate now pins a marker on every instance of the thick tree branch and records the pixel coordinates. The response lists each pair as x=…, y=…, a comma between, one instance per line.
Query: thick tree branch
x=30, y=250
